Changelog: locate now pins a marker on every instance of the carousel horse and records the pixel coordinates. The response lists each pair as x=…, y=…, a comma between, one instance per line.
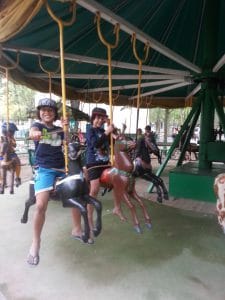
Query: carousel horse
x=140, y=171
x=219, y=189
x=154, y=149
x=73, y=191
x=122, y=181
x=147, y=174
x=7, y=165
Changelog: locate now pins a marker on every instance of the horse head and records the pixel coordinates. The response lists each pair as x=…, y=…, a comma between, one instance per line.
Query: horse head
x=76, y=156
x=219, y=189
x=74, y=150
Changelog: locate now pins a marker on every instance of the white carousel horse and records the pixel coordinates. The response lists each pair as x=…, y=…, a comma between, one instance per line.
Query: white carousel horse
x=219, y=189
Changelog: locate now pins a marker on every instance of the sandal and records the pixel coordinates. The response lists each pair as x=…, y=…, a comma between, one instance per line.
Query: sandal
x=79, y=238
x=33, y=260
x=90, y=241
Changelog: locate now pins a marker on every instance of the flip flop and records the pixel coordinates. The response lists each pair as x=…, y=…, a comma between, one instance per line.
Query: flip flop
x=33, y=260
x=79, y=238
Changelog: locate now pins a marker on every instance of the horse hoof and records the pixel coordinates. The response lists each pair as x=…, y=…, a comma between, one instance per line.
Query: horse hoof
x=18, y=181
x=159, y=200
x=85, y=238
x=166, y=197
x=96, y=232
x=138, y=229
x=11, y=192
x=148, y=225
x=23, y=220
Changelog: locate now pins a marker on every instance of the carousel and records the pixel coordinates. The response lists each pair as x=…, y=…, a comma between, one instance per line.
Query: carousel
x=121, y=53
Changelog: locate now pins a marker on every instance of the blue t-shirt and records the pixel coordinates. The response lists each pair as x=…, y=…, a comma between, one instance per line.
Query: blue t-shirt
x=48, y=151
x=97, y=146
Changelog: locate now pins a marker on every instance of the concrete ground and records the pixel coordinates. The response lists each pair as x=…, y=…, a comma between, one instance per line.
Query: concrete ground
x=181, y=258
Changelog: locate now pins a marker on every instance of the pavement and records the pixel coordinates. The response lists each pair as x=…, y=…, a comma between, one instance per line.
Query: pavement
x=181, y=257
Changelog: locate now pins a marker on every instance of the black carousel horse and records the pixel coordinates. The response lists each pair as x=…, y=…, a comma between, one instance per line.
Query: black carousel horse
x=73, y=191
x=147, y=174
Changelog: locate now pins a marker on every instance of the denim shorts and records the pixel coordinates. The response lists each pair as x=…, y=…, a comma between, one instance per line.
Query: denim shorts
x=44, y=179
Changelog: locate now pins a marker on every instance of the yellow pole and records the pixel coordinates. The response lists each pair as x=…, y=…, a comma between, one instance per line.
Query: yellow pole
x=140, y=62
x=50, y=73
x=7, y=96
x=61, y=25
x=109, y=47
x=6, y=69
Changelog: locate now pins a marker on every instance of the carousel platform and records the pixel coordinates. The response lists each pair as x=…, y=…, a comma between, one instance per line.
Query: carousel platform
x=188, y=181
x=182, y=257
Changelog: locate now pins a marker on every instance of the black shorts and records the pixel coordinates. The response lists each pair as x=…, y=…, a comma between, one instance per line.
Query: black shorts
x=95, y=172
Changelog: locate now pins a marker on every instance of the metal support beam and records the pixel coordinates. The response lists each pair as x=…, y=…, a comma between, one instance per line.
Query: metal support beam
x=194, y=91
x=195, y=107
x=219, y=64
x=112, y=18
x=92, y=60
x=168, y=88
x=133, y=86
x=114, y=77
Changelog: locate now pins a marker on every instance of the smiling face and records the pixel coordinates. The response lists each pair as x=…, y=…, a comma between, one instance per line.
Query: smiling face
x=99, y=120
x=47, y=115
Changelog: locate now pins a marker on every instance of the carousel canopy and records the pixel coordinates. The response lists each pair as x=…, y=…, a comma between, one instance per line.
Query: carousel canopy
x=185, y=37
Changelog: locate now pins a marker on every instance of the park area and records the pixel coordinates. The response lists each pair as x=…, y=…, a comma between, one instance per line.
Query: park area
x=155, y=63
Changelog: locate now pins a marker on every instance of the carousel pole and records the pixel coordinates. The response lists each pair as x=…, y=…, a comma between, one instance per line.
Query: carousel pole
x=61, y=25
x=50, y=73
x=109, y=48
x=140, y=62
x=6, y=69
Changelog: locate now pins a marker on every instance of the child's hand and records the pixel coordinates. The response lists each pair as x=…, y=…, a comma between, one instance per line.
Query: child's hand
x=109, y=129
x=36, y=135
x=131, y=144
x=64, y=122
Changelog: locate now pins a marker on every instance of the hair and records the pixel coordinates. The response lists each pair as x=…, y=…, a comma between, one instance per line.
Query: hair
x=97, y=111
x=56, y=113
x=148, y=127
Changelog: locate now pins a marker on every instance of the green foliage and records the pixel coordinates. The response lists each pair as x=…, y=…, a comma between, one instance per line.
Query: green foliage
x=176, y=116
x=21, y=100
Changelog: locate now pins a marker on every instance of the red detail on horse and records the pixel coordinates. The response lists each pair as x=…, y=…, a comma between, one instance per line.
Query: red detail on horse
x=123, y=183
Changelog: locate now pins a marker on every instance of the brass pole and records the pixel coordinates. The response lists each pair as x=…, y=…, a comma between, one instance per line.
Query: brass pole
x=6, y=69
x=140, y=62
x=50, y=73
x=109, y=47
x=61, y=25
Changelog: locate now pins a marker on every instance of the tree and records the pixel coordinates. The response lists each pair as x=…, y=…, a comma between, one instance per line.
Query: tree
x=21, y=100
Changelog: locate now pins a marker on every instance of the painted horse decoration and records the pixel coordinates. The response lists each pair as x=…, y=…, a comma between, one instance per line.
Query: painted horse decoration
x=142, y=171
x=219, y=189
x=7, y=165
x=122, y=181
x=73, y=191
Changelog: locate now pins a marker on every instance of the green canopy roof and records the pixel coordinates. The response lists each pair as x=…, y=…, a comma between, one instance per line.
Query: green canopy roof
x=178, y=32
